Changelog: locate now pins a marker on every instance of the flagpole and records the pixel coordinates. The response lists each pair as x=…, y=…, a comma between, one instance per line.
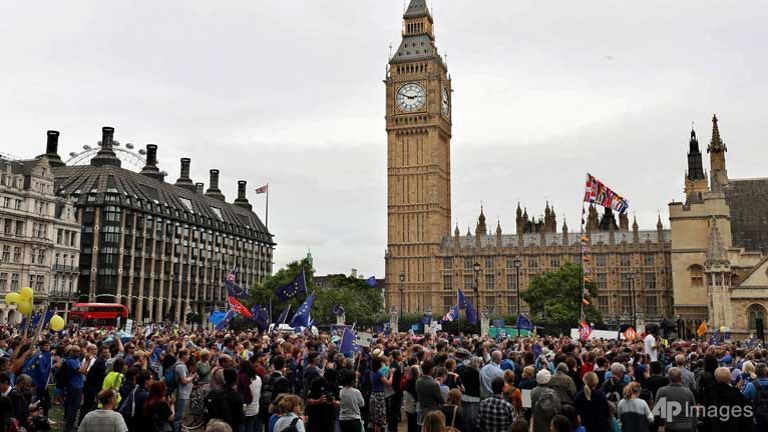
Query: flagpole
x=266, y=210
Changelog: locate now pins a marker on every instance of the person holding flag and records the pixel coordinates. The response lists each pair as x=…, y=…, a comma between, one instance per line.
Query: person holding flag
x=38, y=367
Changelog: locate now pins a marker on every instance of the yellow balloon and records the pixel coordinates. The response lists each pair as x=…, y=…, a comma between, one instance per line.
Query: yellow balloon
x=26, y=293
x=57, y=323
x=25, y=307
x=12, y=298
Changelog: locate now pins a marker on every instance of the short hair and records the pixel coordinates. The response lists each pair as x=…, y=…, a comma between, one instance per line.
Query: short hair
x=680, y=359
x=618, y=368
x=142, y=377
x=723, y=375
x=656, y=367
x=562, y=367
x=278, y=362
x=528, y=372
x=497, y=385
x=675, y=375
x=761, y=370
x=106, y=396
x=426, y=367
x=560, y=423
x=312, y=356
x=454, y=397
x=519, y=426
x=230, y=376
x=216, y=425
x=183, y=352
x=289, y=402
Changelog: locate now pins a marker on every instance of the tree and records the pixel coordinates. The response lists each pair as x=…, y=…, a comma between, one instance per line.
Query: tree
x=360, y=302
x=557, y=295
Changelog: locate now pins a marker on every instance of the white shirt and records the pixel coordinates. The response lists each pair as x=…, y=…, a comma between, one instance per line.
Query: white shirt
x=649, y=348
x=252, y=408
x=286, y=421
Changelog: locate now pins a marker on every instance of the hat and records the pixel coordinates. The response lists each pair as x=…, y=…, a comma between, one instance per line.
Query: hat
x=543, y=376
x=462, y=352
x=377, y=352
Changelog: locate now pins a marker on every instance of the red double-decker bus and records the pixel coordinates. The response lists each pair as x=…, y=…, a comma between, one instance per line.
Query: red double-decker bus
x=98, y=314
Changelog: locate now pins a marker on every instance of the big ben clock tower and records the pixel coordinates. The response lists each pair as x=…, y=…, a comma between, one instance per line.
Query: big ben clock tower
x=418, y=90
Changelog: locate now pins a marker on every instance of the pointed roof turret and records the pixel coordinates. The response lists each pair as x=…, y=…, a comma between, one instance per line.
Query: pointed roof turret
x=481, y=227
x=716, y=144
x=659, y=225
x=635, y=227
x=519, y=211
x=498, y=227
x=456, y=231
x=716, y=253
x=417, y=9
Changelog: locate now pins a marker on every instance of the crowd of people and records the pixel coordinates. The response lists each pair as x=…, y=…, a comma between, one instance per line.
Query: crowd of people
x=173, y=379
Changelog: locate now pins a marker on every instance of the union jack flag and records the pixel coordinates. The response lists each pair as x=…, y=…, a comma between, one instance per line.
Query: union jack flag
x=263, y=189
x=233, y=289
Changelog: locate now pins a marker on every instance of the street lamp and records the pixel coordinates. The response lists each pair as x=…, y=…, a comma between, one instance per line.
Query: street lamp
x=517, y=263
x=402, y=287
x=476, y=269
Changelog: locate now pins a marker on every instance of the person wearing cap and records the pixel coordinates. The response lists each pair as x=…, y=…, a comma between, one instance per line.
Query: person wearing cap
x=544, y=401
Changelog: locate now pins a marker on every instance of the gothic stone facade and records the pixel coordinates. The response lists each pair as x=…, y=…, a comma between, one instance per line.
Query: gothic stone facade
x=617, y=252
x=718, y=241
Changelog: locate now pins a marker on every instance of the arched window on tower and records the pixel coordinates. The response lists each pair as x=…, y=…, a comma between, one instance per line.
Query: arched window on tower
x=756, y=317
x=697, y=275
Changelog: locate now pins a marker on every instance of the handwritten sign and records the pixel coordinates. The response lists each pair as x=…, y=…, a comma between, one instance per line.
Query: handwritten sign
x=363, y=339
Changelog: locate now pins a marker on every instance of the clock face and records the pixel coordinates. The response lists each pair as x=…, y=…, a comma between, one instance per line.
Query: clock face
x=411, y=97
x=446, y=104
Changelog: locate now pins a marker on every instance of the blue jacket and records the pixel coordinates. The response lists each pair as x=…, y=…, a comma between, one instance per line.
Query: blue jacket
x=750, y=392
x=74, y=377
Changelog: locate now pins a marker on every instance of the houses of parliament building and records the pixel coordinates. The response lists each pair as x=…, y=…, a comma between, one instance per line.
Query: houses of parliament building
x=426, y=264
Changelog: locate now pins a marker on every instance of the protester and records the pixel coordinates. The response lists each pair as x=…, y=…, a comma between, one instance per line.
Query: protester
x=546, y=403
x=634, y=412
x=452, y=411
x=104, y=419
x=731, y=405
x=434, y=422
x=428, y=391
x=352, y=400
x=496, y=414
x=592, y=405
x=290, y=406
x=158, y=409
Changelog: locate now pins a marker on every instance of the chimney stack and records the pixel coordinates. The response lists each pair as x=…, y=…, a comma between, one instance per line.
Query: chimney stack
x=105, y=155
x=241, y=200
x=52, y=149
x=213, y=190
x=200, y=188
x=184, y=181
x=150, y=169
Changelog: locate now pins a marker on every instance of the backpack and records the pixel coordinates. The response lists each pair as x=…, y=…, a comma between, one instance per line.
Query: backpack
x=216, y=406
x=761, y=402
x=266, y=391
x=452, y=427
x=547, y=405
x=292, y=427
x=171, y=382
x=403, y=382
x=128, y=408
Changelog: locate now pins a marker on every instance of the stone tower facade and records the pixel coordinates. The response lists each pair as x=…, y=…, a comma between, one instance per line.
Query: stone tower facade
x=418, y=124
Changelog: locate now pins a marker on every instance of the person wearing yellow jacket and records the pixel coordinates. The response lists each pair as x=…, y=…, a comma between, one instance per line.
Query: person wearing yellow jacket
x=114, y=379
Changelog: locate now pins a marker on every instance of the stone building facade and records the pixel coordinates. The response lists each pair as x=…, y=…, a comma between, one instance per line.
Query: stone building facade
x=162, y=249
x=625, y=260
x=33, y=222
x=719, y=237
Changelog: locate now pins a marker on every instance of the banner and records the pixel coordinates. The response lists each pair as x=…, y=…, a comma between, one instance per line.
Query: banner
x=596, y=192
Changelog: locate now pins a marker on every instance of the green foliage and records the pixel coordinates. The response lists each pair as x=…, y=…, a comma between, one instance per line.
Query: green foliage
x=361, y=303
x=556, y=296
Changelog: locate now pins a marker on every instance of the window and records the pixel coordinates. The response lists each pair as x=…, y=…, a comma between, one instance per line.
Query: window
x=217, y=211
x=14, y=281
x=33, y=256
x=626, y=304
x=533, y=262
x=3, y=281
x=19, y=228
x=469, y=283
x=41, y=256
x=512, y=282
x=602, y=303
x=187, y=203
x=59, y=236
x=6, y=253
x=650, y=259
x=600, y=260
x=650, y=305
x=490, y=281
x=650, y=281
x=625, y=281
x=697, y=275
x=602, y=281
x=554, y=261
x=489, y=262
x=39, y=283
x=447, y=263
x=17, y=254
x=468, y=263
x=490, y=302
x=447, y=282
x=624, y=260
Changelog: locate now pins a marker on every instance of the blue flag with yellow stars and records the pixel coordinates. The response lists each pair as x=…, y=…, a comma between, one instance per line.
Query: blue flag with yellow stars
x=297, y=286
x=302, y=318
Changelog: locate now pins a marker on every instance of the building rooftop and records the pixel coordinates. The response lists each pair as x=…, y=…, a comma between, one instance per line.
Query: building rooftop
x=556, y=239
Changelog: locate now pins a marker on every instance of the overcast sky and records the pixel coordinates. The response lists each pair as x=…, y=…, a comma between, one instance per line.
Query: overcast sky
x=291, y=93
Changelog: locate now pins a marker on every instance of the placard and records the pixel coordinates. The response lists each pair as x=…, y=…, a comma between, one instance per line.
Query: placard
x=363, y=339
x=129, y=326
x=526, y=396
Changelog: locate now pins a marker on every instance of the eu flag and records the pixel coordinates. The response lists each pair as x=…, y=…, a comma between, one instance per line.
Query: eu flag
x=337, y=310
x=233, y=289
x=469, y=309
x=297, y=286
x=261, y=316
x=524, y=323
x=283, y=315
x=371, y=281
x=229, y=316
x=346, y=347
x=38, y=367
x=302, y=318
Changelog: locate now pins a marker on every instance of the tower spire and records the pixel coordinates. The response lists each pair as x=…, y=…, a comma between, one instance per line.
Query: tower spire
x=716, y=149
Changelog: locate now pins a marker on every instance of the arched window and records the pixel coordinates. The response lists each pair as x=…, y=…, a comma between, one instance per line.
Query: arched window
x=697, y=275
x=756, y=316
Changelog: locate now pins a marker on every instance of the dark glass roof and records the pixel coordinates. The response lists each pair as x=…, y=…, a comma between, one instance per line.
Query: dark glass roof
x=111, y=185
